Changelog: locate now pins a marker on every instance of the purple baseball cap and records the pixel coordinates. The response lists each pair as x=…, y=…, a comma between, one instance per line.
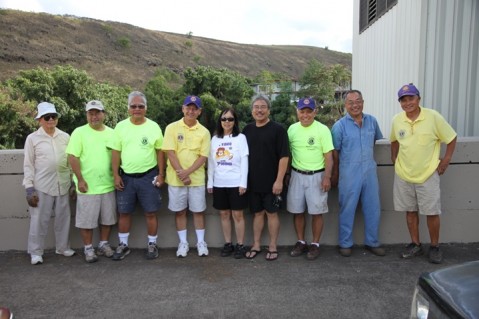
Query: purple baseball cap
x=306, y=102
x=408, y=89
x=192, y=99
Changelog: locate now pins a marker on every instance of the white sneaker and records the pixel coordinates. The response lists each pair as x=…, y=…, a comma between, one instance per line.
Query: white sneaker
x=90, y=256
x=36, y=260
x=67, y=252
x=202, y=249
x=183, y=249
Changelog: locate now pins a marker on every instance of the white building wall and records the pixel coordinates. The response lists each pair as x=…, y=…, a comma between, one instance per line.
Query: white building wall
x=432, y=43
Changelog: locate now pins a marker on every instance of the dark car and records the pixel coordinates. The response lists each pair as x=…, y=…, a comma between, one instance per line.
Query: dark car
x=451, y=292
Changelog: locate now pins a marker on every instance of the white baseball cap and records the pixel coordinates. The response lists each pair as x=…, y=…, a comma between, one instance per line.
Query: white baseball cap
x=94, y=105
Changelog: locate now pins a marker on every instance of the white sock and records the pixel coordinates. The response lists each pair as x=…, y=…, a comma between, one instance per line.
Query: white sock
x=302, y=242
x=152, y=239
x=182, y=236
x=87, y=247
x=123, y=238
x=200, y=235
x=315, y=244
x=102, y=242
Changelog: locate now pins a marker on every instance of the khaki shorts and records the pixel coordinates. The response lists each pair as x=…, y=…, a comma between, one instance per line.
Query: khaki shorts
x=94, y=209
x=183, y=197
x=425, y=197
x=305, y=191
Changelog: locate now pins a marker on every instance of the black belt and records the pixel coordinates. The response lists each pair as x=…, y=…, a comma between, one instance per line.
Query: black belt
x=307, y=172
x=138, y=175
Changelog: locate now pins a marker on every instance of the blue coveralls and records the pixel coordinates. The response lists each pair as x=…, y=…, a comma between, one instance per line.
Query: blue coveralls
x=358, y=178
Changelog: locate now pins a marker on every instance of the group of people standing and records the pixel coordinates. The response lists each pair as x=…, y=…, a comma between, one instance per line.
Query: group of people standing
x=116, y=169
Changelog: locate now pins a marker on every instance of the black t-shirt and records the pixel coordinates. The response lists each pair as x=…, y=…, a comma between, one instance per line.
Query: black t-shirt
x=267, y=145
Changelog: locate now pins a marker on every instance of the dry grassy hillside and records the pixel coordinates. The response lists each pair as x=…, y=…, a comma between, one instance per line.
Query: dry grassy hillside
x=124, y=54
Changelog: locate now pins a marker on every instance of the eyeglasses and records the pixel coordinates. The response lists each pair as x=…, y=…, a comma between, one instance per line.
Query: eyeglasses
x=48, y=117
x=260, y=107
x=227, y=119
x=137, y=106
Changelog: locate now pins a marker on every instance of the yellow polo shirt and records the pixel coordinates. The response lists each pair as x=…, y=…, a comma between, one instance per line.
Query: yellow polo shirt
x=189, y=143
x=419, y=144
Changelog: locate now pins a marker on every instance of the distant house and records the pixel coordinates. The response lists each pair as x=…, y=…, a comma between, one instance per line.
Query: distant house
x=274, y=90
x=432, y=43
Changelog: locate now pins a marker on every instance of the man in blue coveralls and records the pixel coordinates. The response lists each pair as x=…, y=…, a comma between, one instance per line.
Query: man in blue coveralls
x=354, y=171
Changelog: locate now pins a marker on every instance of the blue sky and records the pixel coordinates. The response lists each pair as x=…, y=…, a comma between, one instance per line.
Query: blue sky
x=317, y=23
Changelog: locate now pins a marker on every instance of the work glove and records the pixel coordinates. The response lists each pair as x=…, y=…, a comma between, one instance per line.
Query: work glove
x=32, y=196
x=72, y=191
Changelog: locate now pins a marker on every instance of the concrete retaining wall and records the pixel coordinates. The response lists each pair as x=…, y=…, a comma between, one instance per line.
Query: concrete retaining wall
x=459, y=191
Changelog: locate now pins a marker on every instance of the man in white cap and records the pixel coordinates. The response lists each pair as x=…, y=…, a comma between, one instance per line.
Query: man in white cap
x=90, y=160
x=47, y=182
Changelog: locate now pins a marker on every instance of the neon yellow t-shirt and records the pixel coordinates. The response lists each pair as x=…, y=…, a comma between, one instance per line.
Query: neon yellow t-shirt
x=309, y=144
x=419, y=144
x=189, y=143
x=89, y=146
x=138, y=145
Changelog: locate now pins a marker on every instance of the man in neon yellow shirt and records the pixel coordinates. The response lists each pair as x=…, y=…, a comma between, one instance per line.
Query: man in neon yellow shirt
x=90, y=160
x=187, y=145
x=138, y=165
x=312, y=148
x=416, y=137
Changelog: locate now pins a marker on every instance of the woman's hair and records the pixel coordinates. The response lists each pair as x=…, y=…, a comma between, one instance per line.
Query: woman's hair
x=220, y=132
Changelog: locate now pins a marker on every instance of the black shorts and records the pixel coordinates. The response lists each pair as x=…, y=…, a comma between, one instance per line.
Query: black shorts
x=262, y=201
x=228, y=198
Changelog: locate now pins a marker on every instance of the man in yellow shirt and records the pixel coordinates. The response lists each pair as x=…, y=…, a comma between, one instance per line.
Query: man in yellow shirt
x=187, y=145
x=416, y=137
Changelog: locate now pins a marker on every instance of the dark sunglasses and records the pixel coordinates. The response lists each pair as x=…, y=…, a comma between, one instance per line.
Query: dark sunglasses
x=227, y=119
x=48, y=117
x=137, y=106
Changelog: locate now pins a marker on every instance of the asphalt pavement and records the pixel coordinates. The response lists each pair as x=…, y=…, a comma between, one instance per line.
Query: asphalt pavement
x=360, y=286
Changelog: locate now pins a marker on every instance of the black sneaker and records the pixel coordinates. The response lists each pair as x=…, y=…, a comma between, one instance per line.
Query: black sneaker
x=240, y=250
x=227, y=250
x=412, y=250
x=152, y=251
x=299, y=249
x=435, y=255
x=121, y=252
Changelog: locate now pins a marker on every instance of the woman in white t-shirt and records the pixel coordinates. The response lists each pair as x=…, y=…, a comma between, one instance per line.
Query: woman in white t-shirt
x=227, y=179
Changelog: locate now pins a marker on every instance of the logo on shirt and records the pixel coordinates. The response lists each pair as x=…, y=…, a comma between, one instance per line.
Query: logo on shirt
x=144, y=140
x=180, y=137
x=402, y=133
x=311, y=141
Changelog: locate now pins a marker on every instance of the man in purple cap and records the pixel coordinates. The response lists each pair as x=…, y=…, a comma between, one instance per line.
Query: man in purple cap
x=311, y=168
x=187, y=145
x=416, y=137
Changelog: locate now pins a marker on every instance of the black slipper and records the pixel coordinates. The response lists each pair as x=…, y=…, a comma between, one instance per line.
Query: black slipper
x=270, y=253
x=252, y=253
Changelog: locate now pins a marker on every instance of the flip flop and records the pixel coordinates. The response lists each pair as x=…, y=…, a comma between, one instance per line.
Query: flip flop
x=271, y=255
x=252, y=253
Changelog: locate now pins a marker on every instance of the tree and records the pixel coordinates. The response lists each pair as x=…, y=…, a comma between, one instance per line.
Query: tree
x=17, y=120
x=163, y=106
x=228, y=88
x=66, y=87
x=282, y=108
x=321, y=83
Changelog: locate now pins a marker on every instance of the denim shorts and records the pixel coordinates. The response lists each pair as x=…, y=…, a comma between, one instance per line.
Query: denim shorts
x=139, y=189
